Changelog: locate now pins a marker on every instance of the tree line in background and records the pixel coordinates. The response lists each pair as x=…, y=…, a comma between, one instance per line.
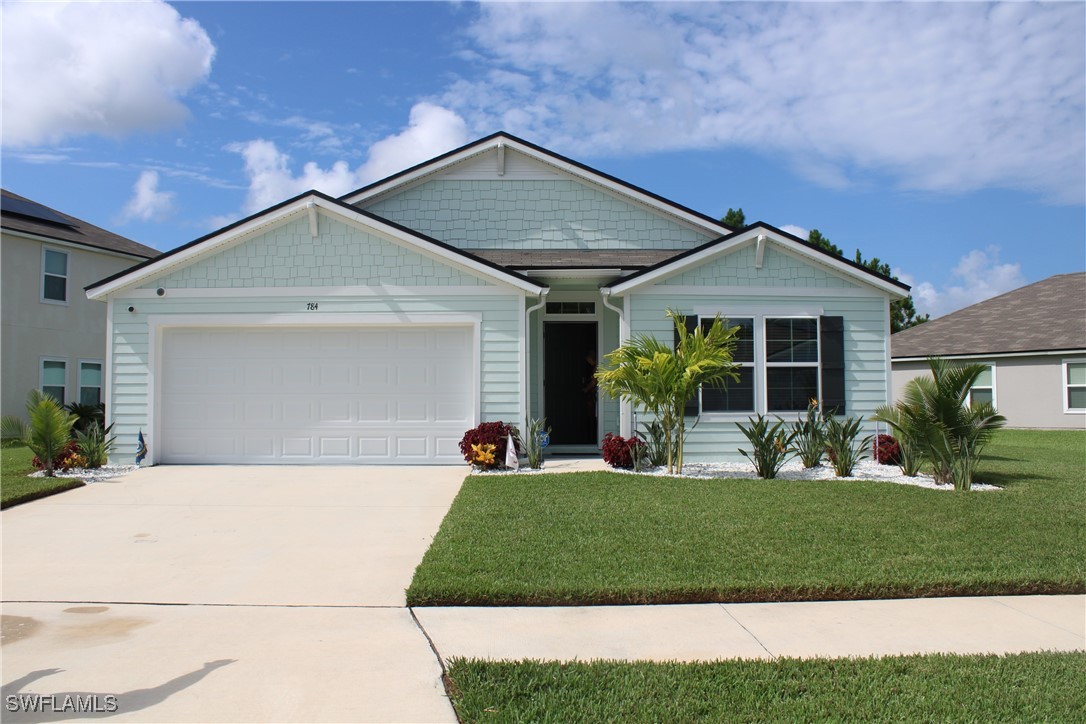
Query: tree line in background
x=902, y=312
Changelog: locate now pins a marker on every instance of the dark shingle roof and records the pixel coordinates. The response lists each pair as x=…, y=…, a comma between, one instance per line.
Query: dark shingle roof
x=1049, y=315
x=575, y=258
x=18, y=213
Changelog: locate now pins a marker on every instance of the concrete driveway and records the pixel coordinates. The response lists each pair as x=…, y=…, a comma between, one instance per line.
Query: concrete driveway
x=225, y=594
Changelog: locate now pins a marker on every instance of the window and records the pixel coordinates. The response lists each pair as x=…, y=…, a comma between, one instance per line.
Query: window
x=737, y=396
x=90, y=383
x=791, y=354
x=779, y=366
x=54, y=378
x=1074, y=381
x=571, y=307
x=54, y=281
x=983, y=390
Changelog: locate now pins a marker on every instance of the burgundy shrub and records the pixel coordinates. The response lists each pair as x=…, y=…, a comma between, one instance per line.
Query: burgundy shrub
x=493, y=433
x=887, y=451
x=619, y=452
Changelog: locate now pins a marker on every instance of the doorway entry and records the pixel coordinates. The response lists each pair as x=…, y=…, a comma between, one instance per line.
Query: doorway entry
x=570, y=397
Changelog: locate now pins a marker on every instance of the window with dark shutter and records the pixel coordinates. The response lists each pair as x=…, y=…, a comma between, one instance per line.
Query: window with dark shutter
x=832, y=347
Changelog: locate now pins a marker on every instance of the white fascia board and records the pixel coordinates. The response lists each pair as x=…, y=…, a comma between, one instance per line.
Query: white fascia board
x=732, y=243
x=302, y=206
x=641, y=199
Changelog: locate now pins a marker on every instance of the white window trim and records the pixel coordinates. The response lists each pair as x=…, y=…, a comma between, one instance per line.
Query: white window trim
x=79, y=379
x=995, y=402
x=761, y=367
x=67, y=277
x=1065, y=385
x=41, y=375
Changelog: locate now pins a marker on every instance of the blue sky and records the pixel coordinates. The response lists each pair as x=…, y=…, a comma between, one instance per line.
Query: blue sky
x=946, y=139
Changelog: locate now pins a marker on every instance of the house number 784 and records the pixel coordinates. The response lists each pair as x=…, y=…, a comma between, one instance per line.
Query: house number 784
x=311, y=306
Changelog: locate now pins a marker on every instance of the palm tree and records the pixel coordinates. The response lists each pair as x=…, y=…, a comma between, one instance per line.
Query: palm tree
x=660, y=379
x=48, y=431
x=933, y=418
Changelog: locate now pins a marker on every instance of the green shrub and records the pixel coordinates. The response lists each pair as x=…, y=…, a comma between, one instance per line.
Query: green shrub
x=809, y=434
x=772, y=445
x=87, y=415
x=654, y=451
x=841, y=443
x=95, y=444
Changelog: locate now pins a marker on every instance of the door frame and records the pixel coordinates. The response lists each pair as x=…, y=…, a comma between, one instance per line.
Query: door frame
x=540, y=358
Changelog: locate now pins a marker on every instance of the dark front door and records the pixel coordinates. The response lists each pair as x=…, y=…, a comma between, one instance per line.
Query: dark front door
x=569, y=389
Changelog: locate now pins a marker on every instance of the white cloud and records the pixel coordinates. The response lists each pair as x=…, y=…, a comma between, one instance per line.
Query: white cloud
x=799, y=231
x=431, y=131
x=109, y=68
x=147, y=202
x=979, y=275
x=942, y=97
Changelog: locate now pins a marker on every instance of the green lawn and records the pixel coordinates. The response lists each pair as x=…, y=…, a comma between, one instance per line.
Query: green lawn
x=584, y=538
x=1024, y=687
x=16, y=487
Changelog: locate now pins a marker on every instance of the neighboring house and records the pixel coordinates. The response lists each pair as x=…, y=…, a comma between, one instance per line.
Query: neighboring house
x=1031, y=340
x=54, y=338
x=477, y=286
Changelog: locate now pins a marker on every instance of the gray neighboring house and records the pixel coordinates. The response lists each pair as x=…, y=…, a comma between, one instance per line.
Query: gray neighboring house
x=53, y=337
x=1032, y=339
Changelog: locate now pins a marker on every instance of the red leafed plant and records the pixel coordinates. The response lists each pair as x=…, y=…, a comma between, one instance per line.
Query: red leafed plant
x=619, y=452
x=887, y=451
x=489, y=433
x=69, y=457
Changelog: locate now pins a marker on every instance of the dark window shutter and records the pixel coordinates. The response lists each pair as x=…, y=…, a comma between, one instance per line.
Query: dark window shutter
x=693, y=408
x=832, y=349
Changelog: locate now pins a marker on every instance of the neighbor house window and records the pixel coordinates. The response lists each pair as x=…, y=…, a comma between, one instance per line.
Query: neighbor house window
x=54, y=281
x=54, y=378
x=778, y=359
x=983, y=390
x=90, y=383
x=1074, y=382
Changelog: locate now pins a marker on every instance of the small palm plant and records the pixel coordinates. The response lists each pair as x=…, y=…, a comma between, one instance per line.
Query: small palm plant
x=660, y=379
x=533, y=445
x=841, y=442
x=48, y=431
x=933, y=418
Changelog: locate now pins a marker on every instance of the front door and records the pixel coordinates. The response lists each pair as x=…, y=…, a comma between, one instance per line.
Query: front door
x=569, y=387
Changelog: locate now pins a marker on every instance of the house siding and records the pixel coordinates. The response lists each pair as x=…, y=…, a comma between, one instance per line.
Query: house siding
x=289, y=256
x=532, y=214
x=779, y=269
x=865, y=320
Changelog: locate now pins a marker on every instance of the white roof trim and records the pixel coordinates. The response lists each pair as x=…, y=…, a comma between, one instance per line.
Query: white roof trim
x=750, y=236
x=506, y=142
x=302, y=206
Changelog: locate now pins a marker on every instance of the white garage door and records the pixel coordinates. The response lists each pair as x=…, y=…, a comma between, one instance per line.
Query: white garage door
x=315, y=395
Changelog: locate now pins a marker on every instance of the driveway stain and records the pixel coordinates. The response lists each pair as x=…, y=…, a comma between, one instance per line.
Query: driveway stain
x=17, y=628
x=101, y=631
x=86, y=609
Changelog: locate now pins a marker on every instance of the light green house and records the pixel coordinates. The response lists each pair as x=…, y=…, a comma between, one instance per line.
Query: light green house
x=479, y=286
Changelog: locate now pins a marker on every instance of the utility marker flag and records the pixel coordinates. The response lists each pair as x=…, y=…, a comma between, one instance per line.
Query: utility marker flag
x=141, y=449
x=511, y=459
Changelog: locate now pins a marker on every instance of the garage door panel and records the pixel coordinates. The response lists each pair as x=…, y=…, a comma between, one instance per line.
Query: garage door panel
x=315, y=395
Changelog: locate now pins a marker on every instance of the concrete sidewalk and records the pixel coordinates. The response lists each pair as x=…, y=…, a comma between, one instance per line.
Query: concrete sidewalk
x=706, y=632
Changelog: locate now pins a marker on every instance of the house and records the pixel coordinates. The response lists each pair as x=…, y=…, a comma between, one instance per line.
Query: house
x=478, y=286
x=53, y=336
x=1031, y=340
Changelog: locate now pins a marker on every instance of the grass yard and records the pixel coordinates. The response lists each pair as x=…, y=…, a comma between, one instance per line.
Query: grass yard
x=595, y=538
x=16, y=487
x=1023, y=687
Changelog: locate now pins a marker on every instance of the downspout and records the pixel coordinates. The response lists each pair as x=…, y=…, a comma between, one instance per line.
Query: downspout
x=528, y=354
x=625, y=414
